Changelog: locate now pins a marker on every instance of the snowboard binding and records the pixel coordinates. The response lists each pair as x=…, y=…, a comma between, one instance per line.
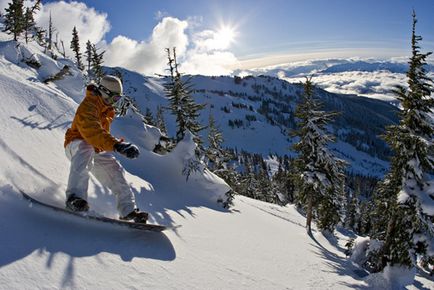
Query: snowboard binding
x=136, y=216
x=76, y=204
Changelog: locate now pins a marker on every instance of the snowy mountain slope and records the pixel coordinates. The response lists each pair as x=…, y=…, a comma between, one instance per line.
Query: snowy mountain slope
x=256, y=114
x=253, y=246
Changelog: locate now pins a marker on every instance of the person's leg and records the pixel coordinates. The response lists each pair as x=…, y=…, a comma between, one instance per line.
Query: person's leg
x=111, y=174
x=81, y=155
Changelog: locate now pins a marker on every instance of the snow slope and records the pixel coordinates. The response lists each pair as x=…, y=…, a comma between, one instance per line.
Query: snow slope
x=265, y=107
x=253, y=246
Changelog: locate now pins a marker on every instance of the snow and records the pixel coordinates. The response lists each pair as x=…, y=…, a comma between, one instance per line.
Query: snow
x=254, y=245
x=361, y=245
x=399, y=276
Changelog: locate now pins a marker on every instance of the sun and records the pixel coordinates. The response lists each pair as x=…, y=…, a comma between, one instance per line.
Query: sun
x=224, y=36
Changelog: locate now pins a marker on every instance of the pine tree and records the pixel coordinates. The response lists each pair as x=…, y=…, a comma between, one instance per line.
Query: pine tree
x=50, y=33
x=215, y=154
x=218, y=159
x=40, y=35
x=29, y=20
x=14, y=22
x=29, y=23
x=75, y=46
x=149, y=117
x=88, y=54
x=161, y=123
x=63, y=49
x=319, y=173
x=97, y=61
x=182, y=105
x=404, y=194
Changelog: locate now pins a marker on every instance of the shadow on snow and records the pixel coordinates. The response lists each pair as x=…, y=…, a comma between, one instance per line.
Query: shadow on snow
x=30, y=229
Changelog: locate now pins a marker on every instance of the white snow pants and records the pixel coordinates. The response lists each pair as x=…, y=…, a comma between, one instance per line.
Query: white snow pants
x=105, y=167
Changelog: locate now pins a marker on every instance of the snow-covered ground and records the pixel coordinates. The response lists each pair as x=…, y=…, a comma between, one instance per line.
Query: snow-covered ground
x=255, y=245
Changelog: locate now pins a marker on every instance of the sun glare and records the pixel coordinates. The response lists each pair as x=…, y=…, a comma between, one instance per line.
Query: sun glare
x=225, y=36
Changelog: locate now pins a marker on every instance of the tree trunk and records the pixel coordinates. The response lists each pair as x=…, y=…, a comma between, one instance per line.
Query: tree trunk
x=309, y=214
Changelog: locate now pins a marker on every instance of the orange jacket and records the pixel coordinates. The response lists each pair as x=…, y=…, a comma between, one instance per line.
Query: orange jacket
x=92, y=122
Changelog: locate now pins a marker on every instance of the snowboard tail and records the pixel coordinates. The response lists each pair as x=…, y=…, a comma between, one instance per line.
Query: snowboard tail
x=132, y=225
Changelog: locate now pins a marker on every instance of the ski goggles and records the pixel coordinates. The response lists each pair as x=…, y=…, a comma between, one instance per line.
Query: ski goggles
x=113, y=97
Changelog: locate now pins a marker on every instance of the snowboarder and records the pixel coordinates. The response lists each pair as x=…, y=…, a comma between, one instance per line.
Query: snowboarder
x=89, y=146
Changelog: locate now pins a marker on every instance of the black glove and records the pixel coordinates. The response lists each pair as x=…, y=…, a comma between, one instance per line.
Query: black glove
x=129, y=150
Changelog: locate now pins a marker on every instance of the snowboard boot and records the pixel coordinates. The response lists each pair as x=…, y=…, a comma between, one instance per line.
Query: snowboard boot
x=76, y=204
x=136, y=216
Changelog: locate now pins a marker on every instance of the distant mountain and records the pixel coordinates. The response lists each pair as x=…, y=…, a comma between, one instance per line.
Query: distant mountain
x=370, y=78
x=368, y=67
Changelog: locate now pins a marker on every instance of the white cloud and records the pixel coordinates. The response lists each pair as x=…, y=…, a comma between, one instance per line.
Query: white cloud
x=201, y=56
x=148, y=57
x=209, y=63
x=199, y=51
x=91, y=24
x=378, y=84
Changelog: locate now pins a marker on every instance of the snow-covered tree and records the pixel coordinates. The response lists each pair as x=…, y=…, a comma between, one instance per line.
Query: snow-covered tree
x=320, y=174
x=405, y=199
x=215, y=154
x=182, y=104
x=161, y=123
x=75, y=46
x=14, y=22
x=149, y=117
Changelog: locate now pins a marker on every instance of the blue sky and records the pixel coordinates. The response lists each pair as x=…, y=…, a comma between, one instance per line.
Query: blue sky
x=276, y=26
x=219, y=36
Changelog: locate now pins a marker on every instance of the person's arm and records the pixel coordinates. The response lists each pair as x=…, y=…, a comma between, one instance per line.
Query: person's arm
x=90, y=127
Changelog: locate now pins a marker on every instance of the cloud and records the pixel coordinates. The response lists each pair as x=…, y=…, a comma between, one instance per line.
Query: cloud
x=148, y=57
x=198, y=53
x=370, y=77
x=91, y=24
x=209, y=63
x=378, y=84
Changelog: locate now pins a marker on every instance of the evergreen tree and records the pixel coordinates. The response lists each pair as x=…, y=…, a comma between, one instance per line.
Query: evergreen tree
x=14, y=18
x=88, y=54
x=218, y=159
x=215, y=154
x=149, y=117
x=161, y=123
x=182, y=105
x=29, y=23
x=75, y=46
x=29, y=20
x=97, y=61
x=63, y=49
x=319, y=172
x=404, y=195
x=351, y=214
x=50, y=33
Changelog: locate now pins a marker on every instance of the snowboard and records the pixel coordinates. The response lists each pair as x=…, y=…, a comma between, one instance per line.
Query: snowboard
x=89, y=216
